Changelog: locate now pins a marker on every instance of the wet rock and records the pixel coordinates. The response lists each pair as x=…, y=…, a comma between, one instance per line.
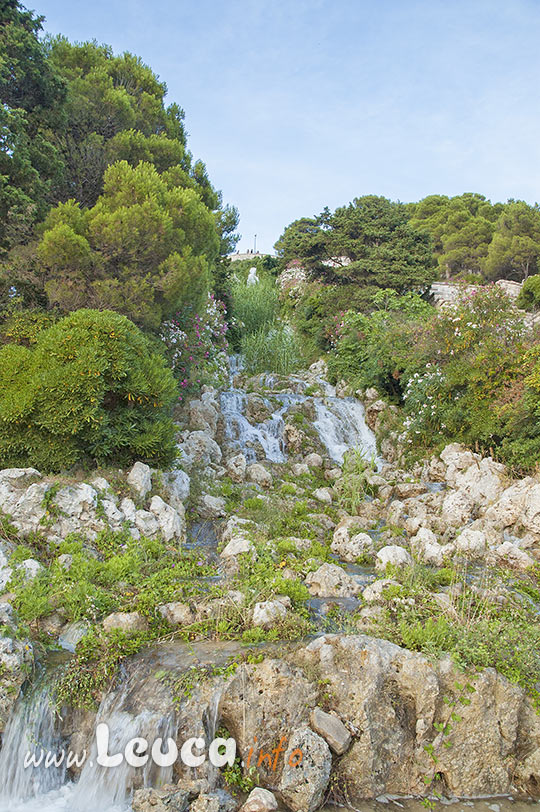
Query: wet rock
x=125, y=622
x=259, y=800
x=259, y=474
x=331, y=729
x=16, y=659
x=351, y=548
x=176, y=613
x=166, y=799
x=217, y=801
x=256, y=409
x=268, y=613
x=306, y=772
x=393, y=554
x=236, y=467
x=331, y=581
x=140, y=479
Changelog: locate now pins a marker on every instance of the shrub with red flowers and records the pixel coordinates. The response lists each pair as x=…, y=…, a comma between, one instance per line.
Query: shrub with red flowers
x=197, y=347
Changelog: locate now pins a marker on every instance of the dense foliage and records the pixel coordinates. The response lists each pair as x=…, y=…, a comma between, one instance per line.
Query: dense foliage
x=468, y=372
x=89, y=388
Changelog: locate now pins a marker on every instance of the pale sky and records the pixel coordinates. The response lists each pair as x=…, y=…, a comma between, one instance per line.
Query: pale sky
x=298, y=105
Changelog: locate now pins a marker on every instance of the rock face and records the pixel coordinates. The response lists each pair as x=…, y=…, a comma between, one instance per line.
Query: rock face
x=393, y=697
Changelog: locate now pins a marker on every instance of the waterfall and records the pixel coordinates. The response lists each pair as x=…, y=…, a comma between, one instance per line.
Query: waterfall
x=340, y=422
x=341, y=425
x=30, y=730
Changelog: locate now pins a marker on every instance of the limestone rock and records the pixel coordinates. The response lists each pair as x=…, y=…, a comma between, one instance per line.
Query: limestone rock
x=236, y=467
x=313, y=460
x=176, y=613
x=259, y=800
x=126, y=622
x=236, y=546
x=332, y=729
x=374, y=591
x=331, y=581
x=259, y=474
x=471, y=543
x=393, y=554
x=212, y=507
x=176, y=486
x=323, y=495
x=304, y=778
x=172, y=524
x=268, y=613
x=349, y=548
x=140, y=479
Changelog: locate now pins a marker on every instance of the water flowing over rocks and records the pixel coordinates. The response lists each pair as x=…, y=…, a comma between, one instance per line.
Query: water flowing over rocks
x=363, y=711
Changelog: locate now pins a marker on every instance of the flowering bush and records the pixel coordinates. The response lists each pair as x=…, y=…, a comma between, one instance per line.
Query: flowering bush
x=197, y=347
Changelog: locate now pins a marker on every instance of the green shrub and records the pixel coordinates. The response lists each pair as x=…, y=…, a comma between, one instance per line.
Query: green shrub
x=529, y=295
x=23, y=327
x=89, y=388
x=274, y=350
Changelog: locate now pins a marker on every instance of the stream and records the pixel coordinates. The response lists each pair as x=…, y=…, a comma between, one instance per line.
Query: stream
x=341, y=425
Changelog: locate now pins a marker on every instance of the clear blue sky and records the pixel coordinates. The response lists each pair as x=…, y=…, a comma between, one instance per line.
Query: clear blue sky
x=298, y=104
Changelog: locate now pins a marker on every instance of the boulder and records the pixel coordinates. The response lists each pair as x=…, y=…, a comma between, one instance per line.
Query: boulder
x=259, y=800
x=374, y=591
x=125, y=622
x=513, y=556
x=165, y=799
x=268, y=613
x=456, y=509
x=236, y=467
x=140, y=479
x=176, y=485
x=313, y=460
x=201, y=449
x=471, y=543
x=331, y=581
x=236, y=546
x=212, y=507
x=323, y=495
x=203, y=416
x=299, y=469
x=172, y=524
x=349, y=548
x=427, y=549
x=259, y=474
x=393, y=554
x=176, y=613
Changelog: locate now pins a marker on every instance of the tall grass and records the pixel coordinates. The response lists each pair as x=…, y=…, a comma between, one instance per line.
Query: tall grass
x=271, y=350
x=253, y=307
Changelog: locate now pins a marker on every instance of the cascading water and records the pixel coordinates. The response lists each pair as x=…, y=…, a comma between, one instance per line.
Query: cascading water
x=107, y=789
x=30, y=731
x=341, y=426
x=340, y=422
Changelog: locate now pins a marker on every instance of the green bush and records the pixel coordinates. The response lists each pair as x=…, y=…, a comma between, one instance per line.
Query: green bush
x=89, y=388
x=274, y=350
x=529, y=295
